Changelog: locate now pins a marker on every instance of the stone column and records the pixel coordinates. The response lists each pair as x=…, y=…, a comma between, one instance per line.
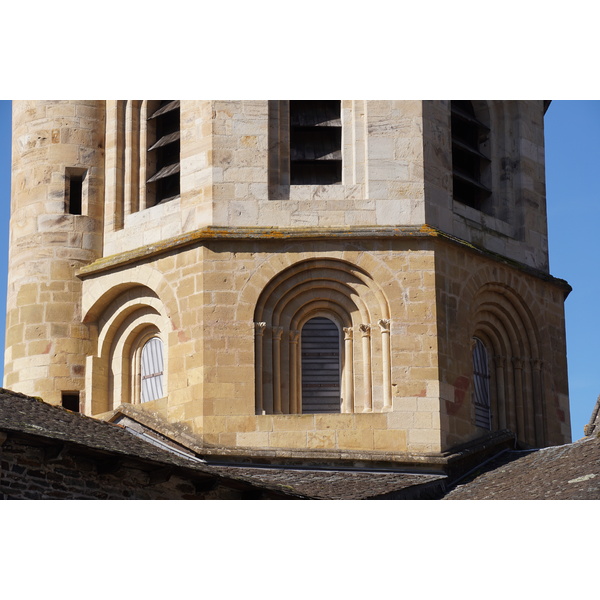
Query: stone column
x=277, y=333
x=500, y=364
x=295, y=400
x=538, y=399
x=132, y=156
x=519, y=398
x=259, y=329
x=528, y=401
x=365, y=331
x=384, y=324
x=348, y=399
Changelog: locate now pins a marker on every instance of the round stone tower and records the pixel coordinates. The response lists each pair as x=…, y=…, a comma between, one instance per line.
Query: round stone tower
x=55, y=227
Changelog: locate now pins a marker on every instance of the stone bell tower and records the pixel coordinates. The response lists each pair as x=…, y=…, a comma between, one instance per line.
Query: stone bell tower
x=332, y=277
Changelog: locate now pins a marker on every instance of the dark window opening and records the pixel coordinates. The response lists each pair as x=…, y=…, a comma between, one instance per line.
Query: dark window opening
x=74, y=192
x=321, y=391
x=315, y=142
x=468, y=160
x=70, y=401
x=164, y=152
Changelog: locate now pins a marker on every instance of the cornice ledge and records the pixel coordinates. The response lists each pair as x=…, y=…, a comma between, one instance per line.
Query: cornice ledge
x=207, y=234
x=251, y=233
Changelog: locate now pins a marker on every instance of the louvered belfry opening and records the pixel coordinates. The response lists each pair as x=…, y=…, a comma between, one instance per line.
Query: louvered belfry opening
x=468, y=160
x=481, y=385
x=164, y=152
x=315, y=142
x=152, y=370
x=320, y=366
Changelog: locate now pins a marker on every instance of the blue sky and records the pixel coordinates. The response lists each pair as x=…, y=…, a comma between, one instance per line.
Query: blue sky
x=573, y=203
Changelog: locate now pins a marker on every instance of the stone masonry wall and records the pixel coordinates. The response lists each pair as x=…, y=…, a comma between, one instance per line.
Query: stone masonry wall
x=516, y=225
x=521, y=319
x=26, y=473
x=46, y=343
x=211, y=292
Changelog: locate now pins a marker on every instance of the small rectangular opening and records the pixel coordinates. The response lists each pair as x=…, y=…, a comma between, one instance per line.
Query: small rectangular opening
x=74, y=190
x=70, y=401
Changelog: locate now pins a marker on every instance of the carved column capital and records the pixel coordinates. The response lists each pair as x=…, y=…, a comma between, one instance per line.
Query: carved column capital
x=365, y=329
x=500, y=361
x=385, y=325
x=294, y=336
x=277, y=333
x=259, y=328
x=348, y=333
x=537, y=363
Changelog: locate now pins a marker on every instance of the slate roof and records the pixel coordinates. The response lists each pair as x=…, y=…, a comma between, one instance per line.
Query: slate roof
x=571, y=471
x=324, y=484
x=31, y=416
x=26, y=416
x=568, y=472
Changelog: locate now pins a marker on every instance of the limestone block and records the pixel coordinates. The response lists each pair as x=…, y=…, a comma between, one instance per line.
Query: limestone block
x=355, y=439
x=389, y=440
x=288, y=439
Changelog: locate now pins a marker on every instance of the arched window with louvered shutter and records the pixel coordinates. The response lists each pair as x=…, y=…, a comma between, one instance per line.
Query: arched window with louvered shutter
x=321, y=389
x=481, y=385
x=152, y=370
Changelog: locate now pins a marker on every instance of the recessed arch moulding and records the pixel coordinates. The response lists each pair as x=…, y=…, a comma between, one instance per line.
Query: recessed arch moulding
x=348, y=296
x=124, y=310
x=520, y=321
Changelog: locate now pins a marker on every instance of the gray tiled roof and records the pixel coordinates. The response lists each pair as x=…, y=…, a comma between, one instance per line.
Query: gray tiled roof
x=26, y=415
x=568, y=472
x=337, y=484
x=23, y=415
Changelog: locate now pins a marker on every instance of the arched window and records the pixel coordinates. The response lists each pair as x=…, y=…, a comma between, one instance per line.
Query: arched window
x=321, y=389
x=481, y=385
x=469, y=157
x=152, y=370
x=301, y=317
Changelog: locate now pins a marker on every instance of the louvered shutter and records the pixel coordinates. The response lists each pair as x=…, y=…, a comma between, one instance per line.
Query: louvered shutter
x=320, y=366
x=166, y=150
x=152, y=370
x=315, y=142
x=481, y=386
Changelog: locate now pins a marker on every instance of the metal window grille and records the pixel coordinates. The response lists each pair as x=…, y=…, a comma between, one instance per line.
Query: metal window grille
x=481, y=386
x=320, y=366
x=152, y=370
